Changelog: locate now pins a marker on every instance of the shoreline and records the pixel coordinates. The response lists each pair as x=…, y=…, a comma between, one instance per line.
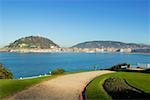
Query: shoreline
x=61, y=51
x=74, y=52
x=22, y=78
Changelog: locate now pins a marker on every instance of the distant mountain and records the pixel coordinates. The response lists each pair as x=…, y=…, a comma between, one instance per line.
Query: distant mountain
x=111, y=44
x=33, y=42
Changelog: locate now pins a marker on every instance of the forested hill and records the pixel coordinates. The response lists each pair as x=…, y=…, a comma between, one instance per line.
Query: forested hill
x=111, y=44
x=33, y=42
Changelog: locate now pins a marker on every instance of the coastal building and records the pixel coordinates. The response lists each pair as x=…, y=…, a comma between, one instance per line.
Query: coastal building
x=125, y=50
x=111, y=49
x=23, y=45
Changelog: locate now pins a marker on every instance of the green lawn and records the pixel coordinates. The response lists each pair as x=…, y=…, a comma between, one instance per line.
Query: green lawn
x=9, y=87
x=96, y=91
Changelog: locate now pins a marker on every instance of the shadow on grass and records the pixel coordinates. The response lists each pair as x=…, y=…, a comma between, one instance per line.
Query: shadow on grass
x=129, y=94
x=118, y=88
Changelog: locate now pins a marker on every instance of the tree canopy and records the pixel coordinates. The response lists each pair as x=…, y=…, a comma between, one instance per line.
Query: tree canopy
x=5, y=73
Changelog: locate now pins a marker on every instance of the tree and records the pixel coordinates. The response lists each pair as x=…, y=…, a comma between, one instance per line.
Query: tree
x=128, y=65
x=118, y=66
x=57, y=71
x=5, y=73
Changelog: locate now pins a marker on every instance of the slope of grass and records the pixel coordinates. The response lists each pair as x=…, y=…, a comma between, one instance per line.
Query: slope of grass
x=96, y=91
x=137, y=80
x=9, y=86
x=117, y=88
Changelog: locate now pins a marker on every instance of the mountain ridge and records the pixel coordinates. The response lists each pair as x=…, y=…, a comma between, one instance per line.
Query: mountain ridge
x=109, y=44
x=45, y=43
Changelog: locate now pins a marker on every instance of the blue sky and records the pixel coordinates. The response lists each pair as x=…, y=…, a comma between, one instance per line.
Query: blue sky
x=67, y=22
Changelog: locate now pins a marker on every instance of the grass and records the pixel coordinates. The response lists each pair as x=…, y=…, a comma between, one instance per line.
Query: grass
x=9, y=87
x=95, y=90
x=137, y=80
x=117, y=88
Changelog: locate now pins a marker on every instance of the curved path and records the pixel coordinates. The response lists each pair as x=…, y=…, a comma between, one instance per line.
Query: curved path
x=67, y=87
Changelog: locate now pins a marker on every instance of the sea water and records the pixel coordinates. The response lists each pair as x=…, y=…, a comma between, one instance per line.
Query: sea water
x=34, y=64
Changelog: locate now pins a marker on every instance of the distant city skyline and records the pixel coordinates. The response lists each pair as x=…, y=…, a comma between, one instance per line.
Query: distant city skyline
x=68, y=22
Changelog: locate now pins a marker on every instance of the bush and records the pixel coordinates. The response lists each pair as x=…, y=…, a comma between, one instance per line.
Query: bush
x=118, y=66
x=58, y=71
x=117, y=88
x=115, y=84
x=5, y=73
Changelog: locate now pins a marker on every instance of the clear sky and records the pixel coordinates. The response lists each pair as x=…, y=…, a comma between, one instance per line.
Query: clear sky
x=67, y=22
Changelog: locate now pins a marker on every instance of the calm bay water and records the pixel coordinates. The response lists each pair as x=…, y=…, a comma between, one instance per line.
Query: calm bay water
x=32, y=64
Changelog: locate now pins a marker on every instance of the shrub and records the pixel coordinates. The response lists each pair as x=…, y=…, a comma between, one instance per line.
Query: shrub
x=118, y=66
x=117, y=88
x=115, y=84
x=58, y=71
x=5, y=73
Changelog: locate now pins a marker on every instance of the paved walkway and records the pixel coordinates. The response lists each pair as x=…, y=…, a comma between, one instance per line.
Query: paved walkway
x=67, y=87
